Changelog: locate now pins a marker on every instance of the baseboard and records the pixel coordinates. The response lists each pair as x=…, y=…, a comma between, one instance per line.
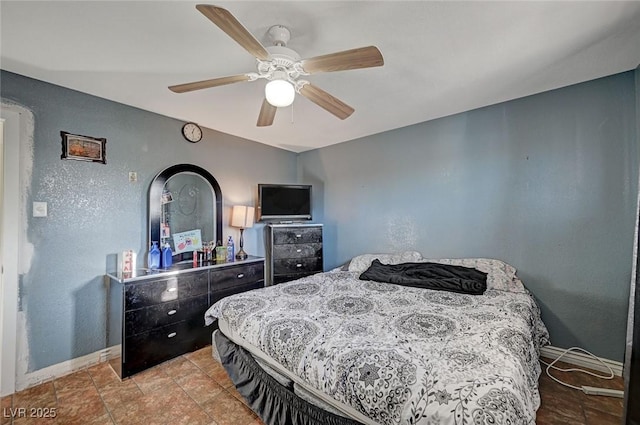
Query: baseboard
x=61, y=369
x=582, y=360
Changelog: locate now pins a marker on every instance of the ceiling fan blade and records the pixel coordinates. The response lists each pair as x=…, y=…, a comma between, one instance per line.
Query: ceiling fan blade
x=267, y=114
x=205, y=84
x=234, y=29
x=362, y=57
x=326, y=101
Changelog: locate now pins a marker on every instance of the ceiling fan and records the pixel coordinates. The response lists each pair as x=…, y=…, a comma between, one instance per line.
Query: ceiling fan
x=282, y=67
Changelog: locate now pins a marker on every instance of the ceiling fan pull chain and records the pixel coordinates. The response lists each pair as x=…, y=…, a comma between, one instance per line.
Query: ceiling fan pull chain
x=294, y=102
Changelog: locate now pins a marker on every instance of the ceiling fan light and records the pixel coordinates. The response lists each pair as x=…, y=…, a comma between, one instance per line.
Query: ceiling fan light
x=279, y=93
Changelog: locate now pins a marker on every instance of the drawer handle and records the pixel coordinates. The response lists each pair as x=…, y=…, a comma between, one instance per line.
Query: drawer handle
x=172, y=289
x=171, y=312
x=298, y=236
x=172, y=334
x=298, y=265
x=241, y=275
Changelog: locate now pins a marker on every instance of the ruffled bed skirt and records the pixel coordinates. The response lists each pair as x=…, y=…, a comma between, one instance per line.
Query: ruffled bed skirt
x=273, y=402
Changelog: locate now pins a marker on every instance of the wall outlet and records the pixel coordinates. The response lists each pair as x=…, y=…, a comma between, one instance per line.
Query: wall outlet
x=133, y=176
x=39, y=209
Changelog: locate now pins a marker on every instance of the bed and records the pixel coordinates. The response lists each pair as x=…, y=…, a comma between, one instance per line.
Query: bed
x=333, y=348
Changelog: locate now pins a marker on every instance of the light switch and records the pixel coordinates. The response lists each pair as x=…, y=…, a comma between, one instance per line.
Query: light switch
x=39, y=209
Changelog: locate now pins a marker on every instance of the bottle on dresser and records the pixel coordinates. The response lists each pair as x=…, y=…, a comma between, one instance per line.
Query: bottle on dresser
x=154, y=256
x=221, y=252
x=167, y=256
x=230, y=250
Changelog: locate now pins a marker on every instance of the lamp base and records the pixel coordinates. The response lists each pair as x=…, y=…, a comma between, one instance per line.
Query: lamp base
x=241, y=255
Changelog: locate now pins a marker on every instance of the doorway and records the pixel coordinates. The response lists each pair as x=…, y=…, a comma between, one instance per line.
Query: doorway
x=10, y=225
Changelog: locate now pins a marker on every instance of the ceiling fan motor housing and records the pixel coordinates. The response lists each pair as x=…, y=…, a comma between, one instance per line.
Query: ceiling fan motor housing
x=282, y=59
x=283, y=54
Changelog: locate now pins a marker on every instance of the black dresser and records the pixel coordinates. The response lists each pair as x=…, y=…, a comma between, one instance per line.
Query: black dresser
x=293, y=251
x=157, y=316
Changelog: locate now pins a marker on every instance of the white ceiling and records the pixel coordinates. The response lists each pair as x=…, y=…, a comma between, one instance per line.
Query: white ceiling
x=440, y=58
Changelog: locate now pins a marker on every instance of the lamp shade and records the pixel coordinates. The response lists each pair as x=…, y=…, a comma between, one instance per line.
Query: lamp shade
x=242, y=216
x=279, y=93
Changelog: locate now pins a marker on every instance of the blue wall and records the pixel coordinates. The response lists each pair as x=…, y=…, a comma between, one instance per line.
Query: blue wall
x=95, y=212
x=547, y=183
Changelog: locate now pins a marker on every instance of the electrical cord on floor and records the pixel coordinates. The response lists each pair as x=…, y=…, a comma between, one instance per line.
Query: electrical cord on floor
x=585, y=389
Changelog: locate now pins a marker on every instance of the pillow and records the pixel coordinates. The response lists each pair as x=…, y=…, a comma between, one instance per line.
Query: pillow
x=440, y=277
x=500, y=275
x=345, y=266
x=362, y=262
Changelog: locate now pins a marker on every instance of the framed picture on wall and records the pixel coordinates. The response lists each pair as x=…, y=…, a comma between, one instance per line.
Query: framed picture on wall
x=83, y=148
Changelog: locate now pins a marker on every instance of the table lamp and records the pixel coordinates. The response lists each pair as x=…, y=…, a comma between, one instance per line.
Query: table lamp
x=242, y=217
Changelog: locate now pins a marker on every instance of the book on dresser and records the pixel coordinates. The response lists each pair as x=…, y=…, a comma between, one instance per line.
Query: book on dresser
x=294, y=250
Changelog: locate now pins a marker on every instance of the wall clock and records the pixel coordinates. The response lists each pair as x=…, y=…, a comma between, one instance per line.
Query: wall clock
x=192, y=132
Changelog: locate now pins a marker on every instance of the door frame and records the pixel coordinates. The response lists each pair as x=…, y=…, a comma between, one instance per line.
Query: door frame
x=10, y=228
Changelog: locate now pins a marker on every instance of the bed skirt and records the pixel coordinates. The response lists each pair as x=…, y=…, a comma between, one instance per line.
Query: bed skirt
x=269, y=399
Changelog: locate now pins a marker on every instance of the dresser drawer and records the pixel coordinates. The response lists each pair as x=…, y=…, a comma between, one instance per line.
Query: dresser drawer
x=150, y=348
x=144, y=319
x=218, y=295
x=298, y=250
x=297, y=265
x=293, y=235
x=236, y=276
x=146, y=293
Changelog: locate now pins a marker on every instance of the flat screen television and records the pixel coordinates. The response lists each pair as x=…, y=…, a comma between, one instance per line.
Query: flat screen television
x=284, y=202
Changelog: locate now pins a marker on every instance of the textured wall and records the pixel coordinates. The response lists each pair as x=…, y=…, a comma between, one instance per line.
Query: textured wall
x=95, y=212
x=547, y=183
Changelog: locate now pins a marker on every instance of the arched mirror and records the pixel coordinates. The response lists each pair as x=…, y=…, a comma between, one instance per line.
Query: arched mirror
x=185, y=209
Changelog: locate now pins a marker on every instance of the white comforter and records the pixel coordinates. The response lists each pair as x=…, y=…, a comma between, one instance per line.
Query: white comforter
x=396, y=354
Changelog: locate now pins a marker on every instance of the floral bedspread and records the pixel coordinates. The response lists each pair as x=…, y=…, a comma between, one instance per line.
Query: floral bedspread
x=400, y=355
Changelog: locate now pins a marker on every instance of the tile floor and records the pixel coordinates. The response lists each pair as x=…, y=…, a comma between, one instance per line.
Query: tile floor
x=194, y=389
x=565, y=406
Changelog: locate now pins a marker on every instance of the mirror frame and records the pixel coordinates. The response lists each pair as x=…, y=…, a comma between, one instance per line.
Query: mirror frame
x=155, y=197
